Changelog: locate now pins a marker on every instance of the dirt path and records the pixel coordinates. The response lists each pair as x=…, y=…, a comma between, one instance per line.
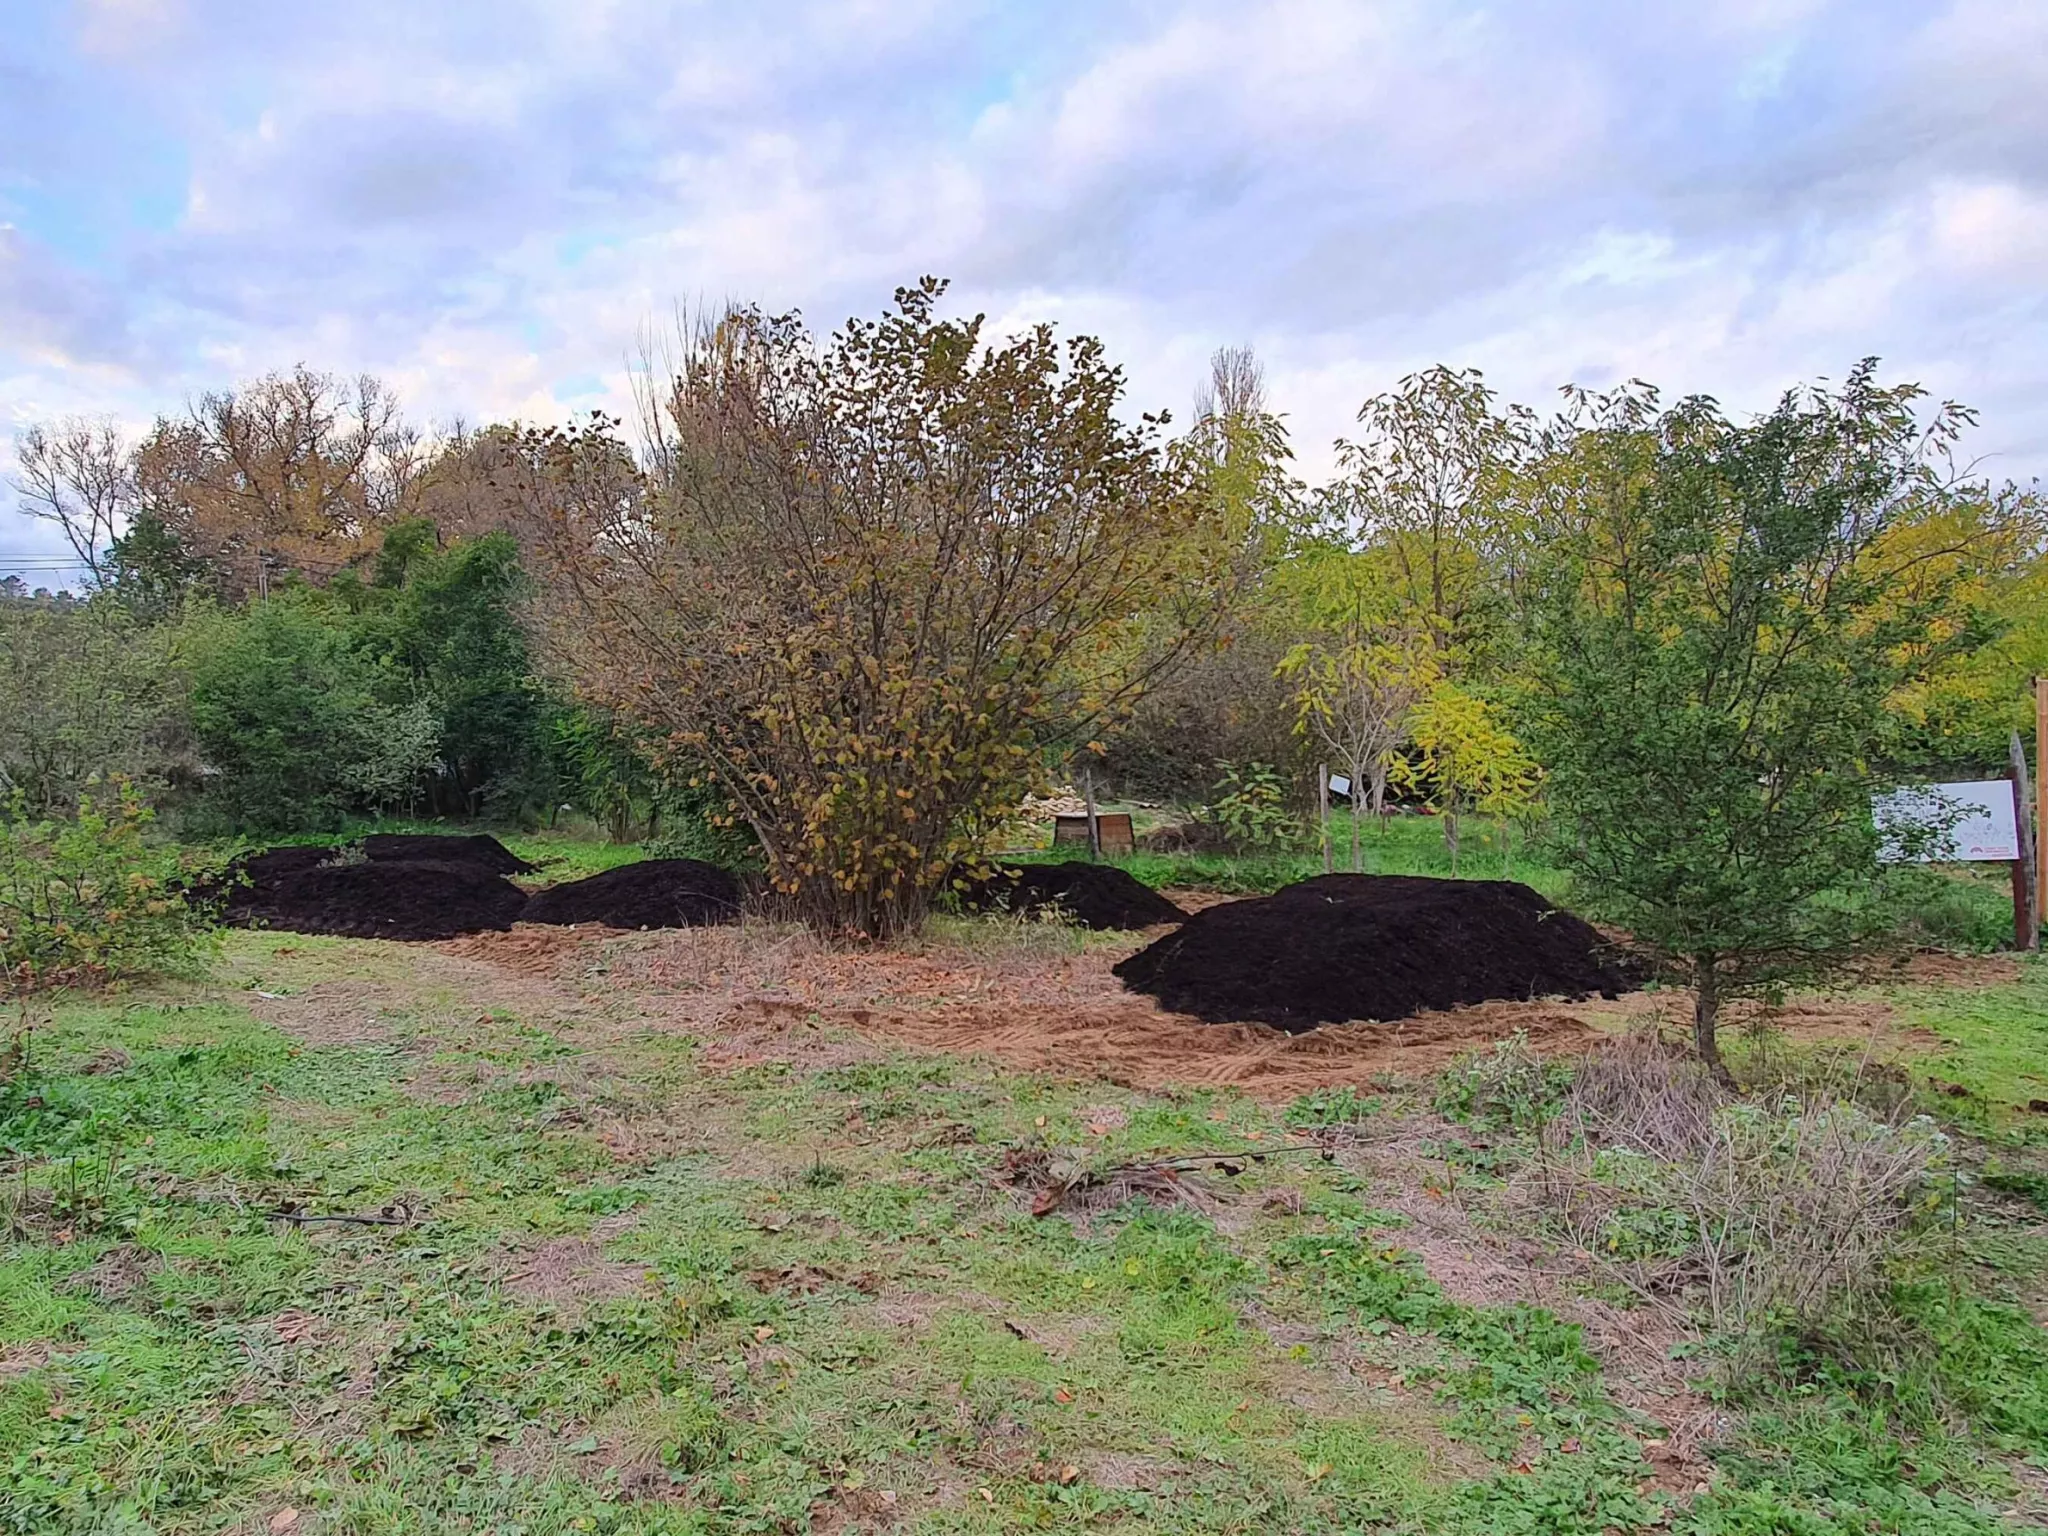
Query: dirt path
x=1033, y=999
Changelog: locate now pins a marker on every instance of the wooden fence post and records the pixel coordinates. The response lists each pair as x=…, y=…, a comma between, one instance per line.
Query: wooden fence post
x=2040, y=792
x=1094, y=828
x=1323, y=815
x=2026, y=910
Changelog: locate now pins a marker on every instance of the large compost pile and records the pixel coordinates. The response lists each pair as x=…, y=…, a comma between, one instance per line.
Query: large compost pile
x=655, y=893
x=1343, y=947
x=1093, y=895
x=482, y=851
x=376, y=900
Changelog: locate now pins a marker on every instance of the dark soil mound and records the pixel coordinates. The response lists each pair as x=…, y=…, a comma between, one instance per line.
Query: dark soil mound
x=233, y=889
x=480, y=852
x=383, y=901
x=1343, y=947
x=655, y=893
x=1093, y=895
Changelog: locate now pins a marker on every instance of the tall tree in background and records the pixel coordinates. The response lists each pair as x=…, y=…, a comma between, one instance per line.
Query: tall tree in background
x=1361, y=672
x=874, y=582
x=1724, y=613
x=80, y=475
x=1223, y=702
x=1427, y=483
x=294, y=473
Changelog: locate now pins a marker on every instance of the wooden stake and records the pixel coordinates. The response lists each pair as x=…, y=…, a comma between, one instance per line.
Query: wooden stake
x=2040, y=791
x=1323, y=815
x=1094, y=827
x=2026, y=917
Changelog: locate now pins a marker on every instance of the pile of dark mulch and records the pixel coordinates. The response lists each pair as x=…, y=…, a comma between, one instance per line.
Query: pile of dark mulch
x=1342, y=947
x=655, y=893
x=482, y=851
x=382, y=900
x=1093, y=895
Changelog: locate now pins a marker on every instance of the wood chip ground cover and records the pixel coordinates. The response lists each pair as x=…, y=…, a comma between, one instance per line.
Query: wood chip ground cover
x=707, y=1232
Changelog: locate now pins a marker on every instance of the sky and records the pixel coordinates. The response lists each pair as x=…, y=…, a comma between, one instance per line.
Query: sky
x=489, y=202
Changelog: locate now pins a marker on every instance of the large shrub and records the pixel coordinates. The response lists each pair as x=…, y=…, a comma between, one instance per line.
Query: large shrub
x=295, y=726
x=89, y=898
x=871, y=585
x=86, y=691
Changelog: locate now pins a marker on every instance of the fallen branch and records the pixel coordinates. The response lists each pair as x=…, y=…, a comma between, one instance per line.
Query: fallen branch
x=396, y=1214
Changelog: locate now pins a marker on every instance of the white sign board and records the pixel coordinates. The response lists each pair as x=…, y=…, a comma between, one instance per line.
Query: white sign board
x=1978, y=818
x=1339, y=784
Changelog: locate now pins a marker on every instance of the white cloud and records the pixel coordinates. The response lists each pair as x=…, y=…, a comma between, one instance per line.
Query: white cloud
x=489, y=202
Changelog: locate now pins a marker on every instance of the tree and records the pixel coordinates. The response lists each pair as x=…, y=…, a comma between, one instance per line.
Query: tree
x=1223, y=702
x=1470, y=760
x=295, y=725
x=1724, y=613
x=447, y=620
x=79, y=475
x=1362, y=672
x=870, y=586
x=86, y=693
x=1427, y=486
x=294, y=473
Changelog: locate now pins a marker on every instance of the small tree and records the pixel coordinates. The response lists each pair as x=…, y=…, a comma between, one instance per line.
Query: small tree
x=1722, y=623
x=871, y=587
x=1362, y=672
x=1471, y=760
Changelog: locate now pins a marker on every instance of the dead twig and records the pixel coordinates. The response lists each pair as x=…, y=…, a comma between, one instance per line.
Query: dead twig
x=397, y=1214
x=1159, y=1179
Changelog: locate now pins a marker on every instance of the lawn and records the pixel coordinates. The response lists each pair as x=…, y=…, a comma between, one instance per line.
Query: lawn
x=372, y=1238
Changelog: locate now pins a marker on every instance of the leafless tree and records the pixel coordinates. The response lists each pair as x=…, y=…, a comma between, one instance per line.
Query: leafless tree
x=80, y=475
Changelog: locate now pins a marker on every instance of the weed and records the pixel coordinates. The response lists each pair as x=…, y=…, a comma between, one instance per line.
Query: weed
x=1327, y=1107
x=1508, y=1087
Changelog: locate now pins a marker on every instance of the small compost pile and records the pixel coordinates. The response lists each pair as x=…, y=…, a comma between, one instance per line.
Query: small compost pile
x=1093, y=895
x=1345, y=947
x=483, y=851
x=373, y=900
x=655, y=893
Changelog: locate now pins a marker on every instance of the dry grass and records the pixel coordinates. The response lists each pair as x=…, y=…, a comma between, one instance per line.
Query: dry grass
x=1740, y=1215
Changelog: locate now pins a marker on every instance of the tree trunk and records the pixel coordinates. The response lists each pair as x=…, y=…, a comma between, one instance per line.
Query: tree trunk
x=1706, y=1015
x=1451, y=834
x=1379, y=794
x=1357, y=779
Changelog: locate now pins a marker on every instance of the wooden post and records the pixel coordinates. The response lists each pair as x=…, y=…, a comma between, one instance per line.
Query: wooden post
x=1323, y=815
x=1094, y=830
x=2040, y=792
x=2026, y=917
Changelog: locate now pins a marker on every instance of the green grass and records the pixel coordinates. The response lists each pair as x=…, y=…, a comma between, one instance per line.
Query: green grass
x=1404, y=845
x=848, y=1318
x=1994, y=1043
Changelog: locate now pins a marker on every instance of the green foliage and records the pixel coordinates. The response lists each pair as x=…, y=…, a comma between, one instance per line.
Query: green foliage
x=293, y=724
x=1722, y=624
x=1331, y=1106
x=445, y=620
x=86, y=692
x=1248, y=805
x=89, y=899
x=876, y=581
x=1508, y=1087
x=602, y=769
x=412, y=691
x=149, y=572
